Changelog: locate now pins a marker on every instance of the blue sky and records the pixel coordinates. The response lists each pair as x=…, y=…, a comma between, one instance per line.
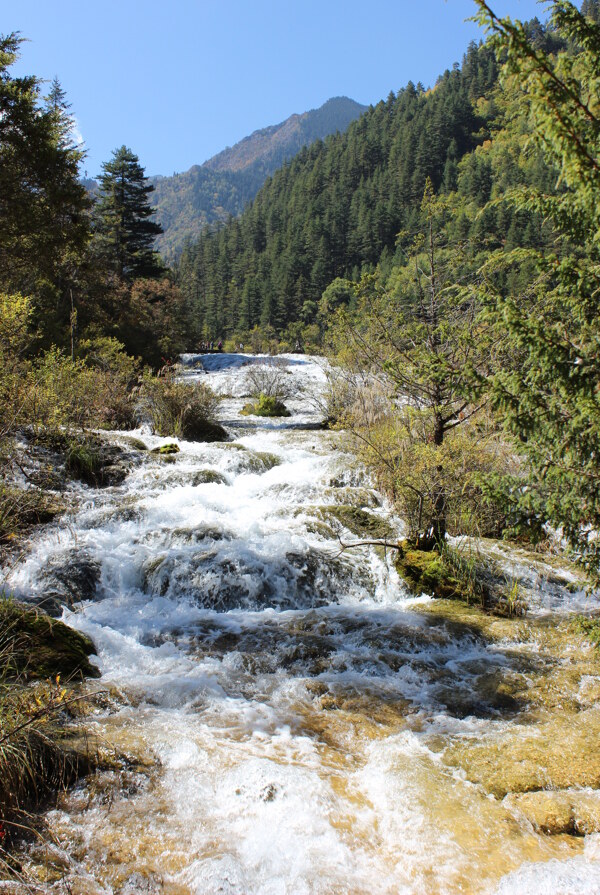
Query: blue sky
x=178, y=81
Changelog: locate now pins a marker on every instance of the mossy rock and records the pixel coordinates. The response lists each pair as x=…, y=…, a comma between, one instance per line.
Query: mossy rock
x=231, y=446
x=425, y=572
x=40, y=647
x=95, y=462
x=267, y=460
x=265, y=406
x=25, y=507
x=166, y=449
x=208, y=477
x=136, y=443
x=202, y=430
x=360, y=522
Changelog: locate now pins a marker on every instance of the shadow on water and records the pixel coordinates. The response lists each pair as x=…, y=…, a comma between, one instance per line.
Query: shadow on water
x=219, y=361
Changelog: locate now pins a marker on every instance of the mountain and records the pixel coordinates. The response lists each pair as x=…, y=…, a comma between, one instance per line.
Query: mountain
x=337, y=207
x=270, y=147
x=185, y=203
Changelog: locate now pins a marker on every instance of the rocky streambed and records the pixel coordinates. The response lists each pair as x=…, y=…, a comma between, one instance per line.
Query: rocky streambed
x=293, y=719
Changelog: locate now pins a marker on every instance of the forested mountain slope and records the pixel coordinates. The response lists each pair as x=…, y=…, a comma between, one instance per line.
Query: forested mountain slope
x=185, y=203
x=339, y=204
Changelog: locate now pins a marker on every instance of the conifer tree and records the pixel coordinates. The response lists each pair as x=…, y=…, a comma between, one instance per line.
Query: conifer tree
x=124, y=232
x=44, y=226
x=549, y=397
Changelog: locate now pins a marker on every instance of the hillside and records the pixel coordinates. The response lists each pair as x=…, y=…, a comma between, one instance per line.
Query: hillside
x=185, y=203
x=339, y=204
x=273, y=145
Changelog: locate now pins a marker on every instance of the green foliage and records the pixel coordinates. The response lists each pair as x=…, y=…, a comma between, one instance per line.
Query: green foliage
x=546, y=392
x=337, y=207
x=83, y=462
x=266, y=405
x=183, y=409
x=124, y=233
x=221, y=187
x=590, y=627
x=59, y=391
x=411, y=347
x=44, y=222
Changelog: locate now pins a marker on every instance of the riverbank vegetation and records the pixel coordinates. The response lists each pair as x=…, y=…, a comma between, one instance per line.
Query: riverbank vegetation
x=42, y=663
x=444, y=253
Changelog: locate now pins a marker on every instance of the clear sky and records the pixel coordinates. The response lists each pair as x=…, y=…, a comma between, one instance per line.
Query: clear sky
x=178, y=80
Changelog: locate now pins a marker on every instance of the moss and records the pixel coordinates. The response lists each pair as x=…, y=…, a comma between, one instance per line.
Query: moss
x=95, y=462
x=166, y=449
x=232, y=446
x=265, y=406
x=589, y=627
x=136, y=443
x=267, y=460
x=360, y=522
x=43, y=647
x=83, y=461
x=426, y=572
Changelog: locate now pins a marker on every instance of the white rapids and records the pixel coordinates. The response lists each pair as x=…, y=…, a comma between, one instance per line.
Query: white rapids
x=283, y=706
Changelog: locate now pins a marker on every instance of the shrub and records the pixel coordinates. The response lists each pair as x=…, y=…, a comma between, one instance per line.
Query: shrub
x=265, y=406
x=269, y=380
x=412, y=471
x=183, y=409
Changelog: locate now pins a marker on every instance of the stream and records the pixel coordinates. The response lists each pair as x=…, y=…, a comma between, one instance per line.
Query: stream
x=293, y=720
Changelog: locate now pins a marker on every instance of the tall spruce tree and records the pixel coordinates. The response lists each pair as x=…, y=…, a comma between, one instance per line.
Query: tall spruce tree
x=549, y=397
x=44, y=223
x=124, y=232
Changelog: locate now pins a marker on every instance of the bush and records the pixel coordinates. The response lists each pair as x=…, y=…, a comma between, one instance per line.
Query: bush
x=269, y=380
x=265, y=406
x=181, y=409
x=412, y=471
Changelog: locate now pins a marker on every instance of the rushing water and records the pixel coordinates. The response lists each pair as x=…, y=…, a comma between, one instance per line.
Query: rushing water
x=294, y=722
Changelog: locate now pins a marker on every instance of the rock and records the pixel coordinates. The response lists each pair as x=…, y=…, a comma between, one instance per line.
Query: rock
x=555, y=812
x=360, y=522
x=425, y=572
x=267, y=460
x=136, y=443
x=166, y=449
x=44, y=647
x=208, y=477
x=265, y=406
x=96, y=462
x=202, y=430
x=561, y=754
x=68, y=579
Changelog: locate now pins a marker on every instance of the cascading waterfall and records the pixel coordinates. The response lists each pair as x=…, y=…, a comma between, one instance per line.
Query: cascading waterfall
x=293, y=721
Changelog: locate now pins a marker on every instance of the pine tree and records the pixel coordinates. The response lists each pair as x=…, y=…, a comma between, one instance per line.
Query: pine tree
x=44, y=226
x=124, y=232
x=549, y=397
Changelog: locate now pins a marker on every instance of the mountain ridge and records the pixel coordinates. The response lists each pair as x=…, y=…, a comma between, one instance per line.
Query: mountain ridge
x=186, y=203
